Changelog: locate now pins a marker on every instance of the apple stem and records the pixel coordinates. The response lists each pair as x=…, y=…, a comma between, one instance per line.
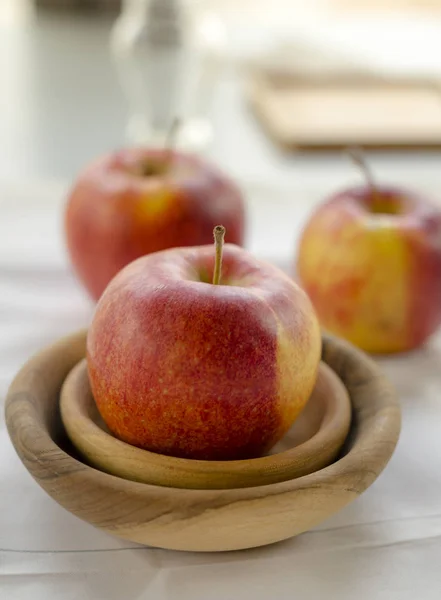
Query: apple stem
x=359, y=159
x=170, y=138
x=219, y=234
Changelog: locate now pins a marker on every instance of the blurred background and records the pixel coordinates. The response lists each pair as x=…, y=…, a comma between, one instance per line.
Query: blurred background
x=267, y=88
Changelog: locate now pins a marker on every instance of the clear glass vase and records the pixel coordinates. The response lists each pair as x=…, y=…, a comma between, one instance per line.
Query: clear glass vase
x=168, y=62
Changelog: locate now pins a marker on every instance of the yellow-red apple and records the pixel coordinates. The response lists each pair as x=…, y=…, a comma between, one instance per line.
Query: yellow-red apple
x=370, y=260
x=139, y=201
x=184, y=367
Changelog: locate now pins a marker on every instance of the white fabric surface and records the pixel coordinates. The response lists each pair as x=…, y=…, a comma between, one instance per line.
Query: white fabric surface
x=386, y=545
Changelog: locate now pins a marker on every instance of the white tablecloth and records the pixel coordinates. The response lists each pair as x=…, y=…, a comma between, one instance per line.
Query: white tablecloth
x=386, y=545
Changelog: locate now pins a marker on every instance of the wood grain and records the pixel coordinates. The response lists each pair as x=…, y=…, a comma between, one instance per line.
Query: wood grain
x=323, y=427
x=199, y=520
x=337, y=112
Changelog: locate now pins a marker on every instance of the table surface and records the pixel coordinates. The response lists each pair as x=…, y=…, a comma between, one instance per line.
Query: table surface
x=60, y=106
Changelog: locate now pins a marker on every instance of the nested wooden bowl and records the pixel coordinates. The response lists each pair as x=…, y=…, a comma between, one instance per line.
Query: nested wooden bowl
x=196, y=519
x=311, y=444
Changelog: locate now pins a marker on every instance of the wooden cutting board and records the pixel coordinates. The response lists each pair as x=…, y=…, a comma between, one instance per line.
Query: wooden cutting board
x=307, y=113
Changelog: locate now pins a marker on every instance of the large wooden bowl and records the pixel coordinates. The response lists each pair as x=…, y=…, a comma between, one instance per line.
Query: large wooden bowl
x=199, y=520
x=311, y=444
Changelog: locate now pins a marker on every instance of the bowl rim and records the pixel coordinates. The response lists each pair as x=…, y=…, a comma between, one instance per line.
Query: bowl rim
x=194, y=519
x=137, y=464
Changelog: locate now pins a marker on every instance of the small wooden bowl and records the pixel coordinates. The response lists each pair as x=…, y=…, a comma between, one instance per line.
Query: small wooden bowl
x=311, y=444
x=199, y=520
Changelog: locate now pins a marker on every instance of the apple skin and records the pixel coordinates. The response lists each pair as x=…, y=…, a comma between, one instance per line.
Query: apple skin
x=186, y=368
x=116, y=214
x=371, y=265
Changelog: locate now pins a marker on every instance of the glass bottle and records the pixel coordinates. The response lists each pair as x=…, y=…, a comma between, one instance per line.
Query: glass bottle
x=168, y=62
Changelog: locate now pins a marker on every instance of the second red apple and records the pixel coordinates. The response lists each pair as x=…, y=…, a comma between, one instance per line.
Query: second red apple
x=138, y=201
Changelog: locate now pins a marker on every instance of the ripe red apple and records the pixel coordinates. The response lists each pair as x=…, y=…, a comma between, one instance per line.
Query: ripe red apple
x=184, y=367
x=370, y=260
x=139, y=201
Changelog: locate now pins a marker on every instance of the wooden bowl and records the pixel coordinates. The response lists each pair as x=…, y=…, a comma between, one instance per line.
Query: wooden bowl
x=200, y=520
x=311, y=444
